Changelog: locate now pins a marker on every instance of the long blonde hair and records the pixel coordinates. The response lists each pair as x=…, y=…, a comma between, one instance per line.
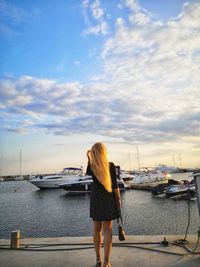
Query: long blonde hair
x=100, y=165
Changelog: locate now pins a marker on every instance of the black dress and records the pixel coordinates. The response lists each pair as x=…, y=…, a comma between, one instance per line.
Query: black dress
x=103, y=205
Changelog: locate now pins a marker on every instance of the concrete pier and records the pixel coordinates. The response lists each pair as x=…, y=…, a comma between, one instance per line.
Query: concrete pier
x=79, y=252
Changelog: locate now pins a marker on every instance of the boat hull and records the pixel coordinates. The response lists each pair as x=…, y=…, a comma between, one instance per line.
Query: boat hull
x=85, y=186
x=50, y=183
x=77, y=188
x=178, y=191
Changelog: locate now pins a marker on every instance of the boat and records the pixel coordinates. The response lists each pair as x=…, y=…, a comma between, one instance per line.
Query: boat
x=84, y=185
x=176, y=191
x=147, y=175
x=53, y=181
x=18, y=178
x=165, y=168
x=126, y=176
x=78, y=186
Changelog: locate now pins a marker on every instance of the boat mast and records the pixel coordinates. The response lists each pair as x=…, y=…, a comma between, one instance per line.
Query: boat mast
x=129, y=157
x=20, y=162
x=173, y=161
x=138, y=158
x=1, y=170
x=180, y=161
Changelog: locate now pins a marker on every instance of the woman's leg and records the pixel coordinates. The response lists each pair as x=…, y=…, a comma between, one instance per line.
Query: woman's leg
x=107, y=230
x=97, y=237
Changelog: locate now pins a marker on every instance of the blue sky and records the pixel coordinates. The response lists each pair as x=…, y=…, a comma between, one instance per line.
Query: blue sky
x=123, y=72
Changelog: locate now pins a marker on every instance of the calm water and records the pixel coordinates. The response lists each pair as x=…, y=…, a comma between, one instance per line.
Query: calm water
x=52, y=213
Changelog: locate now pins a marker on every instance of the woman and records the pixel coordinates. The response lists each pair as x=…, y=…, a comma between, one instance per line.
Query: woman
x=104, y=201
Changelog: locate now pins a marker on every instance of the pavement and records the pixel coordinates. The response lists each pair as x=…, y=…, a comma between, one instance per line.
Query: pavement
x=135, y=251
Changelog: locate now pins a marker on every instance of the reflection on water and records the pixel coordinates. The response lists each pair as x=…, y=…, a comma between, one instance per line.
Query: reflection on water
x=51, y=213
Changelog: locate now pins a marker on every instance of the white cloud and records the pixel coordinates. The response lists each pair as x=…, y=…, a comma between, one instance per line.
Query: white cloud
x=95, y=18
x=133, y=5
x=139, y=18
x=149, y=91
x=100, y=28
x=21, y=131
x=96, y=9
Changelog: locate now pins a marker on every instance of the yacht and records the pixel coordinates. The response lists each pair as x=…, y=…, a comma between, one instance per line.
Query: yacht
x=77, y=186
x=19, y=178
x=126, y=176
x=84, y=185
x=182, y=190
x=53, y=181
x=147, y=176
x=166, y=169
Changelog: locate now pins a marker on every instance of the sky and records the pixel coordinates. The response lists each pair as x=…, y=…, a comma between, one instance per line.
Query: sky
x=121, y=72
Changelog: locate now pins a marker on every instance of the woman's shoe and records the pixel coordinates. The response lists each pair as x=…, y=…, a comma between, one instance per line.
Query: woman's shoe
x=99, y=263
x=106, y=265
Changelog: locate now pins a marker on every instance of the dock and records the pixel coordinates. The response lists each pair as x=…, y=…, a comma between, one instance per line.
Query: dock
x=135, y=251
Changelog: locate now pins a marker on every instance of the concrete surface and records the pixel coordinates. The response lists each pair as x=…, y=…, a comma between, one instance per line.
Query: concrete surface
x=59, y=252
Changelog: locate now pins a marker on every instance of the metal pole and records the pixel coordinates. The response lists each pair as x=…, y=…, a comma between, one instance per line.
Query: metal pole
x=15, y=236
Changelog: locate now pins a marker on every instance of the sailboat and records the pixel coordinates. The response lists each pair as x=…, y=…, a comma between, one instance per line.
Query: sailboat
x=147, y=174
x=20, y=177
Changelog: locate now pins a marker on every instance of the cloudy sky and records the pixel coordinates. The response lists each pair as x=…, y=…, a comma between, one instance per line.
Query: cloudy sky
x=124, y=72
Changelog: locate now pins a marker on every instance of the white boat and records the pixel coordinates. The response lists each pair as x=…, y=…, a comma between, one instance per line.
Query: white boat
x=53, y=181
x=126, y=176
x=1, y=179
x=84, y=185
x=148, y=176
x=165, y=168
x=18, y=178
x=79, y=185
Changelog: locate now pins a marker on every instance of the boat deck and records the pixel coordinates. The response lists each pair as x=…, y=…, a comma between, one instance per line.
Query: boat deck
x=79, y=252
x=145, y=186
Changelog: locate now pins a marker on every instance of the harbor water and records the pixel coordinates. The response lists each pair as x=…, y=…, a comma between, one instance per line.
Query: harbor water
x=54, y=213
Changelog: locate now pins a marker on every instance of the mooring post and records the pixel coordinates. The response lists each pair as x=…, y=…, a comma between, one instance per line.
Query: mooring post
x=15, y=236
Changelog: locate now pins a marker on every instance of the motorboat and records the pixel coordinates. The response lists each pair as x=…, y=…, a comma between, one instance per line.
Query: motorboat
x=81, y=185
x=147, y=176
x=175, y=191
x=84, y=185
x=126, y=176
x=165, y=168
x=19, y=178
x=53, y=181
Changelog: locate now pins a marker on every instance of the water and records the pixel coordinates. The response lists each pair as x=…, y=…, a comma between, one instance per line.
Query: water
x=53, y=213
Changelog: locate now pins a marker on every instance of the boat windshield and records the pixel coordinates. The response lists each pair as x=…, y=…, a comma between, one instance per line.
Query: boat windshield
x=72, y=171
